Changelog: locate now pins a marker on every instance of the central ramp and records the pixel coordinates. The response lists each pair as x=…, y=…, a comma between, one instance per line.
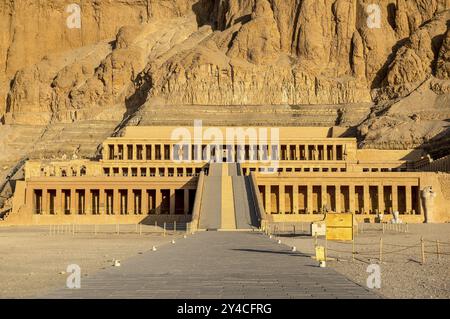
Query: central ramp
x=227, y=202
x=244, y=204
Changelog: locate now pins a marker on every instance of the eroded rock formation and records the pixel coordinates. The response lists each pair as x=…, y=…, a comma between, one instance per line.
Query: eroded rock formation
x=129, y=54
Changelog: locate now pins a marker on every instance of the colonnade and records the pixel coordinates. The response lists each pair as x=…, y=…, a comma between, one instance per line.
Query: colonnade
x=112, y=201
x=360, y=198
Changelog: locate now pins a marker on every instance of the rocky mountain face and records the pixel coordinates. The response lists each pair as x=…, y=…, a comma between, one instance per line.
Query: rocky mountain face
x=131, y=55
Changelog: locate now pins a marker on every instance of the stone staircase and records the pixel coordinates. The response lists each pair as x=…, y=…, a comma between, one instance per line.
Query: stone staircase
x=227, y=201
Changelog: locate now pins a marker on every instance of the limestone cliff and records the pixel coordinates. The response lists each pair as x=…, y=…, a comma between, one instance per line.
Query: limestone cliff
x=130, y=53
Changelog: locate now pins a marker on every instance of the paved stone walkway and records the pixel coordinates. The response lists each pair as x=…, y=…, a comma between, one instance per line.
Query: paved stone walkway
x=218, y=265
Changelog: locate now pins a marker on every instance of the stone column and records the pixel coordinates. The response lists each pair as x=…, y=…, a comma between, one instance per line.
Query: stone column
x=130, y=201
x=73, y=202
x=125, y=152
x=394, y=198
x=101, y=201
x=351, y=195
x=88, y=200
x=172, y=201
x=45, y=202
x=295, y=198
x=186, y=201
x=281, y=198
x=158, y=201
x=324, y=195
x=337, y=200
x=325, y=152
x=116, y=151
x=58, y=202
x=334, y=157
x=408, y=198
x=381, y=207
x=366, y=198
x=152, y=152
x=268, y=199
x=144, y=202
x=307, y=152
x=309, y=197
x=116, y=202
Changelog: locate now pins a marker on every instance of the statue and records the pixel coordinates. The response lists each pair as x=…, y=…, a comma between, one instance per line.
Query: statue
x=428, y=196
x=314, y=152
x=76, y=153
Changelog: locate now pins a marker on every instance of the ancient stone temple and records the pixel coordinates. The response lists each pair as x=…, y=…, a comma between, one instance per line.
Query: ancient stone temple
x=230, y=178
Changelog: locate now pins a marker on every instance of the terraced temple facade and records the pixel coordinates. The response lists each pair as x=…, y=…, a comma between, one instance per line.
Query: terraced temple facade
x=230, y=178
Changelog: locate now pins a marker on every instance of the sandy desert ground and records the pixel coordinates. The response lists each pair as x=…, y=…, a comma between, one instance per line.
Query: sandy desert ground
x=402, y=273
x=33, y=262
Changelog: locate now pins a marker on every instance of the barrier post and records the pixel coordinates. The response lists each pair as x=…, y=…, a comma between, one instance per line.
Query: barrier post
x=381, y=249
x=164, y=231
x=437, y=251
x=353, y=249
x=423, y=250
x=174, y=227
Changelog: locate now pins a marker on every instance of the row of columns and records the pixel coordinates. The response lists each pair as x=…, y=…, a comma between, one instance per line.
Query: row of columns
x=234, y=153
x=82, y=201
x=152, y=171
x=339, y=206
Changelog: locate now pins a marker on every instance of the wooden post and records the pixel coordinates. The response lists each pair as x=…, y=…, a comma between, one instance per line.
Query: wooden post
x=381, y=249
x=164, y=232
x=423, y=250
x=174, y=226
x=437, y=251
x=353, y=249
